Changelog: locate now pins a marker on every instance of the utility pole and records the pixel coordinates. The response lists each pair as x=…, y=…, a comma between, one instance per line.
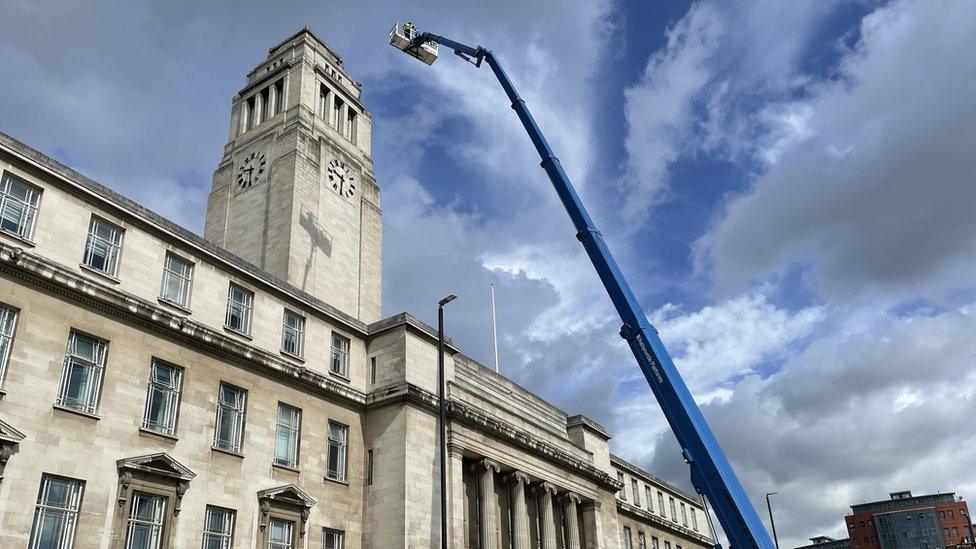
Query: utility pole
x=442, y=416
x=494, y=329
x=772, y=523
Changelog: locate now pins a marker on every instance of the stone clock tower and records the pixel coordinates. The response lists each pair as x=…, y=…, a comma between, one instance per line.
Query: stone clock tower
x=295, y=191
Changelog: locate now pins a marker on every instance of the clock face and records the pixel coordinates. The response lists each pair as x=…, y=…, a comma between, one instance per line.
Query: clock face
x=251, y=170
x=341, y=178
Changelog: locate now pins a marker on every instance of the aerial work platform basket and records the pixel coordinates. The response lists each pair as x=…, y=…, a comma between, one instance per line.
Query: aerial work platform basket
x=402, y=38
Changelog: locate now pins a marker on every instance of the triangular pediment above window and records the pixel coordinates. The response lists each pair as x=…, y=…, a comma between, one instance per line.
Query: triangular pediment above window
x=287, y=494
x=8, y=434
x=160, y=464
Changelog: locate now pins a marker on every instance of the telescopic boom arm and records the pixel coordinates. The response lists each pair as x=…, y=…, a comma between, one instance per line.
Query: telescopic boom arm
x=711, y=473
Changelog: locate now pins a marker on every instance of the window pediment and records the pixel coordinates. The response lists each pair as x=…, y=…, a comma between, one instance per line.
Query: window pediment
x=288, y=501
x=160, y=465
x=9, y=438
x=288, y=494
x=158, y=472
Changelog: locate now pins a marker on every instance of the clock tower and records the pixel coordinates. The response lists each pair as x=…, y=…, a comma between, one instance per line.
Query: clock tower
x=295, y=192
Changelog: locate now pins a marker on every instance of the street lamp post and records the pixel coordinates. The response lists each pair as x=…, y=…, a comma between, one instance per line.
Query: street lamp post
x=772, y=523
x=442, y=417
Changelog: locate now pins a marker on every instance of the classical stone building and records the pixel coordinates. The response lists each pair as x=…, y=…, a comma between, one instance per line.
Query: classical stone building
x=163, y=390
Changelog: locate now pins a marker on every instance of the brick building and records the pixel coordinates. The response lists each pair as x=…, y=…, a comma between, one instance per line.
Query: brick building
x=904, y=521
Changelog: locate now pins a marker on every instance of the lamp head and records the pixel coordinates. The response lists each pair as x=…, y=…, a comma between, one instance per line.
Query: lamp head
x=447, y=300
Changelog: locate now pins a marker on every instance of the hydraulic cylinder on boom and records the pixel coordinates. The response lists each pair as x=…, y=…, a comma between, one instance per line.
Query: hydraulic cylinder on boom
x=711, y=474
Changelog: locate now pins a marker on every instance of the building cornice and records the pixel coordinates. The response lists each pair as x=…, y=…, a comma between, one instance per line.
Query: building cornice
x=484, y=422
x=414, y=325
x=55, y=278
x=662, y=523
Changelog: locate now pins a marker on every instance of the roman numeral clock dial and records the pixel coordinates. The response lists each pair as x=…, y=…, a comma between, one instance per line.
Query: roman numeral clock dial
x=341, y=179
x=251, y=170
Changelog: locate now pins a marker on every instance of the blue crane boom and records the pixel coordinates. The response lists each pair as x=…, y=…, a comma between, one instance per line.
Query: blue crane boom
x=711, y=473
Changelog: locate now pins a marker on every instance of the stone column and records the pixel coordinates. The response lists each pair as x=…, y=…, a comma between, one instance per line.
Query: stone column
x=329, y=99
x=544, y=492
x=517, y=482
x=455, y=502
x=591, y=524
x=570, y=520
x=245, y=116
x=486, y=494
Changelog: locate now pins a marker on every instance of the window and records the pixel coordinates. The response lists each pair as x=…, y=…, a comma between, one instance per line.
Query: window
x=951, y=514
x=81, y=378
x=293, y=333
x=265, y=103
x=218, y=528
x=340, y=355
x=955, y=531
x=684, y=515
x=324, y=102
x=641, y=541
x=337, y=105
x=369, y=467
x=694, y=520
x=279, y=96
x=177, y=276
x=623, y=487
x=280, y=534
x=945, y=531
x=287, y=435
x=660, y=503
x=239, y=303
x=674, y=512
x=648, y=499
x=654, y=543
x=351, y=126
x=229, y=431
x=162, y=397
x=103, y=247
x=333, y=539
x=56, y=513
x=372, y=369
x=336, y=458
x=635, y=490
x=8, y=321
x=667, y=545
x=18, y=206
x=144, y=529
x=628, y=539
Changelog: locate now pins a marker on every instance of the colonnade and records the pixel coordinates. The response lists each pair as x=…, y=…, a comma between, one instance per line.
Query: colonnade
x=547, y=497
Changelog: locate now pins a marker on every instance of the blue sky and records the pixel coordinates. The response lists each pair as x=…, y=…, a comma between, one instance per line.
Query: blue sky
x=786, y=184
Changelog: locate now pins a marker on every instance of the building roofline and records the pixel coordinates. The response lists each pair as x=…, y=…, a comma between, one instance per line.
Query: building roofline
x=313, y=36
x=621, y=462
x=144, y=215
x=589, y=424
x=906, y=501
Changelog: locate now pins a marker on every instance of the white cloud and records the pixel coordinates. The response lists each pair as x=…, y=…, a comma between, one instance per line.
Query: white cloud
x=713, y=348
x=874, y=194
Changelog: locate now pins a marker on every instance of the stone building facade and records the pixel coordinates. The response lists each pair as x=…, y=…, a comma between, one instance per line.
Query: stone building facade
x=163, y=390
